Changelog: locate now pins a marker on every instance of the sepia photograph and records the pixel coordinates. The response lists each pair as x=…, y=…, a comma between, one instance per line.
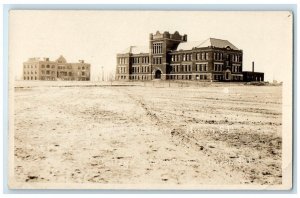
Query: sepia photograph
x=182, y=100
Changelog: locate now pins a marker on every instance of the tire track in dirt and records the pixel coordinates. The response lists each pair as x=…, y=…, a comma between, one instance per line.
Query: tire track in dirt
x=183, y=141
x=240, y=164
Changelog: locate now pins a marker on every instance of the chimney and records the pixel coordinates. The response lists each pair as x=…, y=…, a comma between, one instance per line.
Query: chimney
x=252, y=66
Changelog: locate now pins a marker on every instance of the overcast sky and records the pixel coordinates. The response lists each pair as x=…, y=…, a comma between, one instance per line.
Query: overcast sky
x=96, y=36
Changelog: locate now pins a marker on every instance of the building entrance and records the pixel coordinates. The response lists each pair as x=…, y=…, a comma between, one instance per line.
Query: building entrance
x=158, y=74
x=227, y=75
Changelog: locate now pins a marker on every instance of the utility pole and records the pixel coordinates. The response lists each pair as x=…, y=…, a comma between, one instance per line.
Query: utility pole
x=102, y=74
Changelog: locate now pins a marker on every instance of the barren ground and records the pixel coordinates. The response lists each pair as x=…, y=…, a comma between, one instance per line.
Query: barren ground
x=151, y=133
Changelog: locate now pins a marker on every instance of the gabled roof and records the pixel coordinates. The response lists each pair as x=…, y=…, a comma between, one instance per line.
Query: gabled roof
x=61, y=59
x=188, y=45
x=219, y=43
x=210, y=42
x=136, y=50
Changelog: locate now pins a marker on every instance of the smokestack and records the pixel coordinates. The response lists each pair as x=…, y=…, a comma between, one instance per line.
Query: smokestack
x=252, y=66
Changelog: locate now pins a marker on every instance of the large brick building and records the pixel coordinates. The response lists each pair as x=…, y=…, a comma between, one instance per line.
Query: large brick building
x=171, y=57
x=45, y=69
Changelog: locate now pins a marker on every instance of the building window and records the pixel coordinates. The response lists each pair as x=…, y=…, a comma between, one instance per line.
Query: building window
x=43, y=66
x=157, y=48
x=48, y=66
x=202, y=56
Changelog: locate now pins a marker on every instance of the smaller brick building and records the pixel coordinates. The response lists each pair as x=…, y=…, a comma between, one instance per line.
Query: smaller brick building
x=45, y=69
x=249, y=76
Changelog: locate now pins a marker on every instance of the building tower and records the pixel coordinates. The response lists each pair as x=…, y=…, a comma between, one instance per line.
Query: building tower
x=159, y=46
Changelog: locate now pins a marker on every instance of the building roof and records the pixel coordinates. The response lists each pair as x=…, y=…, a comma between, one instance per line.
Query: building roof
x=34, y=59
x=210, y=42
x=61, y=59
x=136, y=50
x=188, y=45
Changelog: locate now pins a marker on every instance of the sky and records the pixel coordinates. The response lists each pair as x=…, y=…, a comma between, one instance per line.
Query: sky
x=97, y=36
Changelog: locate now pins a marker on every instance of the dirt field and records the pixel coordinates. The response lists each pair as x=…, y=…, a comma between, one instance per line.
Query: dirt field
x=150, y=133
